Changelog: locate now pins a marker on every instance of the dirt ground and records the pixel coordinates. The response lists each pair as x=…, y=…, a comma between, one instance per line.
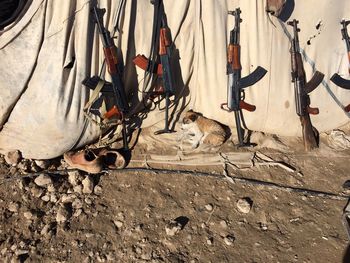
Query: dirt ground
x=147, y=216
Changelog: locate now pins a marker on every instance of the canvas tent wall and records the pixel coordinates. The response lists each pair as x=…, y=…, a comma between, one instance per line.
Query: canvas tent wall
x=53, y=46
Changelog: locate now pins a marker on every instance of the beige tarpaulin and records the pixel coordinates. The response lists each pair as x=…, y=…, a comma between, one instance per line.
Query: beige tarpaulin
x=47, y=53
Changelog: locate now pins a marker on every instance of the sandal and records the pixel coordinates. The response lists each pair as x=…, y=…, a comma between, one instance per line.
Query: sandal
x=85, y=160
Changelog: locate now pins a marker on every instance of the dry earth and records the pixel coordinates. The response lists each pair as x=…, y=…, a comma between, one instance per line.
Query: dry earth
x=145, y=216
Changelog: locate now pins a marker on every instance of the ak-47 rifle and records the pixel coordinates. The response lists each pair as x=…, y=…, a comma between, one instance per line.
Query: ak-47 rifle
x=116, y=88
x=302, y=89
x=236, y=84
x=338, y=80
x=163, y=69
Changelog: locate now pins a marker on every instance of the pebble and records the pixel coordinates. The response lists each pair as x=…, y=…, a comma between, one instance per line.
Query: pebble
x=244, y=205
x=98, y=190
x=43, y=180
x=229, y=240
x=78, y=189
x=209, y=207
x=68, y=198
x=13, y=157
x=53, y=198
x=51, y=188
x=88, y=185
x=28, y=215
x=46, y=230
x=73, y=178
x=36, y=191
x=24, y=166
x=210, y=241
x=77, y=203
x=62, y=215
x=13, y=207
x=88, y=201
x=43, y=164
x=46, y=198
x=118, y=223
x=172, y=228
x=223, y=224
x=77, y=212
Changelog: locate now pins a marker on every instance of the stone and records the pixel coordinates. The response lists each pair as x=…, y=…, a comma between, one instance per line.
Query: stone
x=244, y=205
x=77, y=212
x=53, y=198
x=28, y=215
x=229, y=239
x=78, y=189
x=118, y=223
x=74, y=178
x=172, y=228
x=51, y=188
x=209, y=241
x=13, y=207
x=46, y=198
x=223, y=224
x=98, y=190
x=43, y=180
x=209, y=207
x=62, y=215
x=36, y=191
x=77, y=203
x=13, y=157
x=43, y=164
x=88, y=185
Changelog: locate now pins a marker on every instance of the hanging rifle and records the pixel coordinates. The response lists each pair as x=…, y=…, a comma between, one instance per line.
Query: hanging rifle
x=161, y=39
x=116, y=88
x=336, y=79
x=302, y=89
x=236, y=84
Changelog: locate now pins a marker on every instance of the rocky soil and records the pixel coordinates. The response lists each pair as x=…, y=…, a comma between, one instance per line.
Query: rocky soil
x=145, y=216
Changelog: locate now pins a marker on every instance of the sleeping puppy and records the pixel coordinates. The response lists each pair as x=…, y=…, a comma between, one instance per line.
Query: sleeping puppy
x=197, y=130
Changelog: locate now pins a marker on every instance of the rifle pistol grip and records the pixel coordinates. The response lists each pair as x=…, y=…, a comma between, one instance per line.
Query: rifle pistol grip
x=246, y=106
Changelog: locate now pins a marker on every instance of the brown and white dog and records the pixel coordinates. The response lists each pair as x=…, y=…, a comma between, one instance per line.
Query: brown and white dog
x=197, y=130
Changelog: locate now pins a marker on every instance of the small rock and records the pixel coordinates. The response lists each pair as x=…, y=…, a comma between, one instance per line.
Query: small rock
x=47, y=230
x=43, y=180
x=88, y=201
x=36, y=191
x=24, y=166
x=28, y=215
x=13, y=157
x=210, y=241
x=46, y=198
x=244, y=205
x=209, y=207
x=13, y=207
x=20, y=252
x=172, y=228
x=78, y=189
x=53, y=198
x=98, y=190
x=51, y=188
x=77, y=203
x=118, y=223
x=77, y=212
x=73, y=178
x=223, y=224
x=229, y=240
x=68, y=198
x=43, y=164
x=62, y=215
x=88, y=185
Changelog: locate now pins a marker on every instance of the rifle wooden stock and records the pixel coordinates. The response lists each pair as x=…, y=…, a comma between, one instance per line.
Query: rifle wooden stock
x=309, y=133
x=246, y=106
x=142, y=62
x=236, y=62
x=313, y=111
x=111, y=59
x=347, y=108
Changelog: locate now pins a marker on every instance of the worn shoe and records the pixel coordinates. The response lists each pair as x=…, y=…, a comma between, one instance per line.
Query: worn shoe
x=85, y=160
x=112, y=159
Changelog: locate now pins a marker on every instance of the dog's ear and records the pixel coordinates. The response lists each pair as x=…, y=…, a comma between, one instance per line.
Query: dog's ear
x=190, y=110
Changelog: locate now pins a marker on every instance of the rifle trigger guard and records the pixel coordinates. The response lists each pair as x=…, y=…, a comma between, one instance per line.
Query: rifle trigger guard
x=222, y=106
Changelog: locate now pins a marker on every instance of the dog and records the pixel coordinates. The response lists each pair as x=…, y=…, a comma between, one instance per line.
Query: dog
x=198, y=130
